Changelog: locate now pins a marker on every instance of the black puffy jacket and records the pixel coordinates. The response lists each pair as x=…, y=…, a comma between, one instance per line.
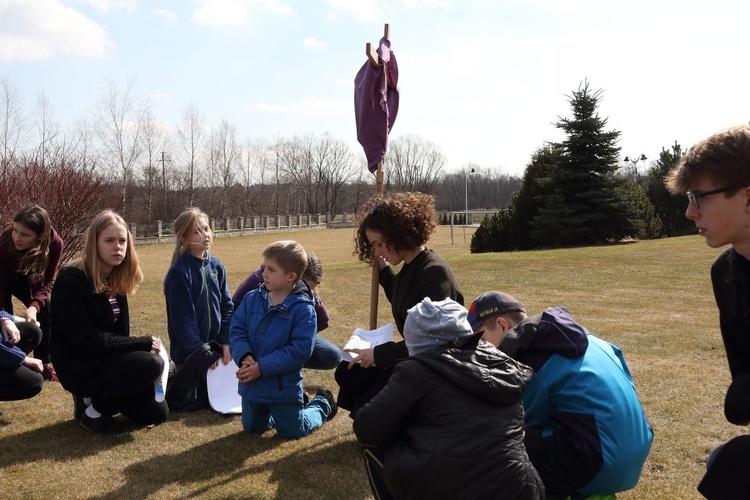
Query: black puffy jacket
x=450, y=424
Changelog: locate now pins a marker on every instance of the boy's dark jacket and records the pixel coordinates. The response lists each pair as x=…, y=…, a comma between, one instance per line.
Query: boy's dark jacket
x=450, y=423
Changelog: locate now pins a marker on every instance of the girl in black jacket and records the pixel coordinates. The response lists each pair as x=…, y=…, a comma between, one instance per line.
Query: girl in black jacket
x=106, y=369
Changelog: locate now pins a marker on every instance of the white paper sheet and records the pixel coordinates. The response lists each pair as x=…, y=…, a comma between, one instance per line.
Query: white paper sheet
x=363, y=339
x=222, y=389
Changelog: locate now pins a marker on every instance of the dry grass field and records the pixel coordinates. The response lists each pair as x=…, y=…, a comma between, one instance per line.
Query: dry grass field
x=653, y=299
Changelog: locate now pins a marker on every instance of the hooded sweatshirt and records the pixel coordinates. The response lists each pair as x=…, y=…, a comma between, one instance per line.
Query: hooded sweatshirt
x=585, y=429
x=450, y=423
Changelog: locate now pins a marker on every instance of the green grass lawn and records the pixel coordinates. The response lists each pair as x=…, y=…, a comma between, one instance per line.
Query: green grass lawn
x=653, y=299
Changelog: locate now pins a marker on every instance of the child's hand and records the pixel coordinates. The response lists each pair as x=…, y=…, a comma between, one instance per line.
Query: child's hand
x=11, y=334
x=155, y=344
x=33, y=363
x=226, y=354
x=30, y=314
x=365, y=357
x=248, y=373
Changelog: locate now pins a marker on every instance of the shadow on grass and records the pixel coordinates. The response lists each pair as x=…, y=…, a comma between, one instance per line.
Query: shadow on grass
x=204, y=417
x=70, y=442
x=211, y=469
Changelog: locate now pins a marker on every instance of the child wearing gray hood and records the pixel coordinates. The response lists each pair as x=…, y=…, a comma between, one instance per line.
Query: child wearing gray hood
x=449, y=423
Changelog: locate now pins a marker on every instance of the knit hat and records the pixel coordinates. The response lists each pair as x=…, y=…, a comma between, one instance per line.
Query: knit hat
x=431, y=324
x=491, y=304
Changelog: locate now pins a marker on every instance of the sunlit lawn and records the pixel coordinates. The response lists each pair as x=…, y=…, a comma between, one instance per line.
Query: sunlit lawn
x=653, y=299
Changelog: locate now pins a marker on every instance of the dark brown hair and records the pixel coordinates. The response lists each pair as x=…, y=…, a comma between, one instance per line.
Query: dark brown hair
x=405, y=220
x=724, y=158
x=35, y=259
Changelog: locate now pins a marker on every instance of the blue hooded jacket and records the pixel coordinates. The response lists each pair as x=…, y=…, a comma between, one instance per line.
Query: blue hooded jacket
x=586, y=430
x=280, y=340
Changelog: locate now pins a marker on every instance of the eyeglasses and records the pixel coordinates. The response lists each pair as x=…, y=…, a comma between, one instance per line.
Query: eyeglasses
x=696, y=197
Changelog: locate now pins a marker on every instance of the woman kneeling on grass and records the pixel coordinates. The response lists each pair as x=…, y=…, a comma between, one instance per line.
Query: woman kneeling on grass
x=107, y=371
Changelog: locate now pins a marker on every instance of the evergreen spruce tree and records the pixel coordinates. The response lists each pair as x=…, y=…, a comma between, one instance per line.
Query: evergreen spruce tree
x=669, y=207
x=589, y=203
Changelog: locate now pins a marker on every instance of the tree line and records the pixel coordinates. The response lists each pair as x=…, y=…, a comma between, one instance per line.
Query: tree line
x=120, y=156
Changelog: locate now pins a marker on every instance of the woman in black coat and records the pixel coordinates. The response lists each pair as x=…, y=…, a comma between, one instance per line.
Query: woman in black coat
x=394, y=230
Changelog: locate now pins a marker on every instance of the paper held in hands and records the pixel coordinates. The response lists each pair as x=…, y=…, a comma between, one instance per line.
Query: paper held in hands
x=364, y=339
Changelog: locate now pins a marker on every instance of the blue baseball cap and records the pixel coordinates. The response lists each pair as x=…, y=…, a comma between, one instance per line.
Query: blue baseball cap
x=491, y=304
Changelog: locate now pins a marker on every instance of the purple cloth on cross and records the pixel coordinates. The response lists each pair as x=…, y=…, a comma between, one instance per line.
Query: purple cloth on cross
x=376, y=104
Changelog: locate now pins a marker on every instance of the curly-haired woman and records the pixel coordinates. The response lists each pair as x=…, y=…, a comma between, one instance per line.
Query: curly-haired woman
x=394, y=229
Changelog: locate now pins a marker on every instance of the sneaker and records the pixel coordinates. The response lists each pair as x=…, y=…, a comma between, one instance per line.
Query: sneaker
x=328, y=395
x=104, y=425
x=78, y=407
x=49, y=373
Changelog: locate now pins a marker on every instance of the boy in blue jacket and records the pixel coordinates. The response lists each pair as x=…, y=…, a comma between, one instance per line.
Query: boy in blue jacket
x=586, y=432
x=271, y=338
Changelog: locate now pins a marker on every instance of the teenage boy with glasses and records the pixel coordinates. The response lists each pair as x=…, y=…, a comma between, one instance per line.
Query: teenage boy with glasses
x=715, y=175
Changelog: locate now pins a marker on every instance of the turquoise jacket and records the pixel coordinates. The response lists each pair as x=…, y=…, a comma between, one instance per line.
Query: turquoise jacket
x=586, y=431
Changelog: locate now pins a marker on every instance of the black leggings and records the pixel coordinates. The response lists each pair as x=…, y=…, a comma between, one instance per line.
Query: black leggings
x=19, y=286
x=21, y=382
x=123, y=383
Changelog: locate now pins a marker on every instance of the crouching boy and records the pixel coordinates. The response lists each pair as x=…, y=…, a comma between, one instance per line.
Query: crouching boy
x=449, y=423
x=271, y=338
x=586, y=432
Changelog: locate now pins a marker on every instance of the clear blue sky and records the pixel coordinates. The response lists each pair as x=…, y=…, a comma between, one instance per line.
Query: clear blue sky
x=485, y=80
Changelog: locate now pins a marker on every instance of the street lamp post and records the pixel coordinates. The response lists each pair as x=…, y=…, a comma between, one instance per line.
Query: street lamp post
x=466, y=193
x=633, y=160
x=466, y=198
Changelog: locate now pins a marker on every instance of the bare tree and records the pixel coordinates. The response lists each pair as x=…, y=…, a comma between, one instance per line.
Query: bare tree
x=191, y=135
x=14, y=127
x=295, y=157
x=333, y=167
x=46, y=126
x=154, y=141
x=413, y=164
x=121, y=119
x=224, y=161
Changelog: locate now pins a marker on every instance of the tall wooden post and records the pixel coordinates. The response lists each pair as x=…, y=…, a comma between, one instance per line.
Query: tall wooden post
x=372, y=55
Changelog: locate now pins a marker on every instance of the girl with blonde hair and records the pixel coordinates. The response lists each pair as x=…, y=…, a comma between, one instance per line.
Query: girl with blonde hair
x=97, y=360
x=199, y=310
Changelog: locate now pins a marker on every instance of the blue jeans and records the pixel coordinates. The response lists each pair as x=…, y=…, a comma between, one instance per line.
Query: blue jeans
x=325, y=355
x=292, y=420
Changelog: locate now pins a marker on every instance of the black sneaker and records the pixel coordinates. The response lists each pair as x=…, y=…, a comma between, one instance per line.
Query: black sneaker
x=328, y=395
x=104, y=425
x=78, y=407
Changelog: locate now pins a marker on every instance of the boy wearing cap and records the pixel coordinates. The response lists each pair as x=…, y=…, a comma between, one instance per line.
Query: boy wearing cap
x=715, y=175
x=586, y=432
x=449, y=422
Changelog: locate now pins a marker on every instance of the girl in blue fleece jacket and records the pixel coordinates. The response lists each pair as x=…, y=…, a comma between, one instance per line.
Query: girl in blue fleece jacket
x=199, y=307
